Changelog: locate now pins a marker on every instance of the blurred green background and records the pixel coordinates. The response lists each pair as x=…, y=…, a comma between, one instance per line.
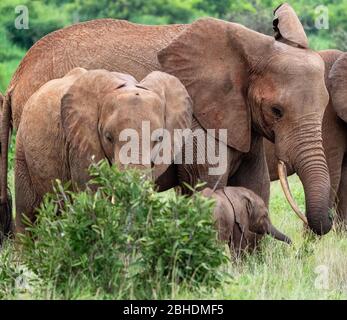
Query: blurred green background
x=48, y=15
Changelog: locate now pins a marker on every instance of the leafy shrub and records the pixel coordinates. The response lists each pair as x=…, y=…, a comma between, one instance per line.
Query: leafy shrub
x=9, y=271
x=124, y=239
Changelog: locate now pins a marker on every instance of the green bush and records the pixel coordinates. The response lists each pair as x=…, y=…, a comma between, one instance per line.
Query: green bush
x=8, y=272
x=124, y=239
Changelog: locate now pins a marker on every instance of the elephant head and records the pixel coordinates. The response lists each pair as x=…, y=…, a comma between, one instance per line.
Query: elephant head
x=247, y=83
x=101, y=107
x=242, y=217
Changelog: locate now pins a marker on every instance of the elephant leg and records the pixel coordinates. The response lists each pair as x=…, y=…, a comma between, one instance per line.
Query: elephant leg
x=335, y=165
x=27, y=199
x=204, y=159
x=334, y=154
x=341, y=217
x=253, y=172
x=168, y=179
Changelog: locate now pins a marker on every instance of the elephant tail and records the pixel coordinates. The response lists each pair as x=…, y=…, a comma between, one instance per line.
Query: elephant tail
x=5, y=196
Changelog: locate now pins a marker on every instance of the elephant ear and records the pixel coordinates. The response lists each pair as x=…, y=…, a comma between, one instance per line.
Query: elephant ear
x=177, y=114
x=338, y=86
x=288, y=28
x=79, y=115
x=212, y=59
x=223, y=214
x=240, y=206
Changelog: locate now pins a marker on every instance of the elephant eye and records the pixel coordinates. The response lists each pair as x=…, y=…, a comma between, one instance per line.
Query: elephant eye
x=159, y=138
x=277, y=112
x=109, y=137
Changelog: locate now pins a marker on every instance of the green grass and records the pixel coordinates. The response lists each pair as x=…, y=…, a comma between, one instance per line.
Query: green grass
x=311, y=268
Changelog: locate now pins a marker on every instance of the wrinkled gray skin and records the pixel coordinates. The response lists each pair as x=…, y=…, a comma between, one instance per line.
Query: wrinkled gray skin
x=251, y=84
x=334, y=133
x=241, y=218
x=81, y=116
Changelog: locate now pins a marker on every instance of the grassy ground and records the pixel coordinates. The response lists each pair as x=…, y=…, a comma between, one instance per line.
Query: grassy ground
x=309, y=269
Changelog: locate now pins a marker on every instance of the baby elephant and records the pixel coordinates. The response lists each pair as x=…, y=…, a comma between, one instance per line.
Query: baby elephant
x=241, y=218
x=87, y=116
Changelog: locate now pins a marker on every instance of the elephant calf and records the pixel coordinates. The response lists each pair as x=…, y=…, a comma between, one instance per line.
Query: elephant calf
x=241, y=218
x=80, y=118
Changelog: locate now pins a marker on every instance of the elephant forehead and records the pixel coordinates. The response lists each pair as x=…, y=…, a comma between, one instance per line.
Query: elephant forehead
x=138, y=97
x=299, y=62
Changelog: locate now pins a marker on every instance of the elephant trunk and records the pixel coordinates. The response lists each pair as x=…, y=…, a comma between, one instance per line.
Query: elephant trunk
x=307, y=156
x=278, y=235
x=313, y=172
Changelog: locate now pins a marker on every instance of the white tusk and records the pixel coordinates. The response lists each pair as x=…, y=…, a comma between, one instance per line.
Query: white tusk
x=282, y=173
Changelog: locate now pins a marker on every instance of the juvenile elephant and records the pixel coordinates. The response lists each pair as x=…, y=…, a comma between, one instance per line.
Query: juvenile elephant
x=334, y=133
x=251, y=84
x=82, y=117
x=241, y=218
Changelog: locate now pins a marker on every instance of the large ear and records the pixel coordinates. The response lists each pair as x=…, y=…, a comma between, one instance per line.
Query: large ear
x=223, y=213
x=338, y=86
x=240, y=205
x=178, y=109
x=288, y=28
x=79, y=115
x=212, y=58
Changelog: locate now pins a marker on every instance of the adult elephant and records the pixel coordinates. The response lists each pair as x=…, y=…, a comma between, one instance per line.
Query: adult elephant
x=334, y=133
x=251, y=84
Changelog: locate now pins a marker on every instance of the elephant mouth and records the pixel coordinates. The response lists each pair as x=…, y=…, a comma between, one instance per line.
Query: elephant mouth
x=282, y=174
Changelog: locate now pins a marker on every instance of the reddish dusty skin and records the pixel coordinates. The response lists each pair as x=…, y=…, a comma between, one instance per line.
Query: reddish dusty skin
x=228, y=71
x=86, y=110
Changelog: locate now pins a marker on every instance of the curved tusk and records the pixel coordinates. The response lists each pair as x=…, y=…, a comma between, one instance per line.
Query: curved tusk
x=282, y=173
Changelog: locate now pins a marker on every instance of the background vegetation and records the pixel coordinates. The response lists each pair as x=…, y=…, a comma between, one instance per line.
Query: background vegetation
x=277, y=271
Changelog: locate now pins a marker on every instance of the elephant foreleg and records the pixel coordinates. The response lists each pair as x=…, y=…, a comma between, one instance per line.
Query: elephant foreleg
x=341, y=217
x=27, y=199
x=253, y=172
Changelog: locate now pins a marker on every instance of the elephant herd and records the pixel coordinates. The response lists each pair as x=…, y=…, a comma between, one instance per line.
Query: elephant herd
x=78, y=88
